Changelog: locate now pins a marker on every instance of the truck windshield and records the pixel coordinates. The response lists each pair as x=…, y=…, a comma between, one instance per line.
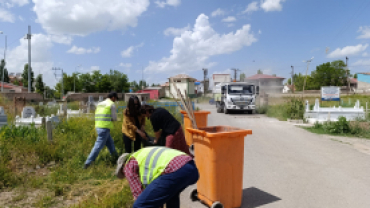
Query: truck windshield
x=242, y=89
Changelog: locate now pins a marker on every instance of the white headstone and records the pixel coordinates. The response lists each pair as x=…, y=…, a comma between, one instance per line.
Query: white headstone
x=2, y=112
x=307, y=106
x=101, y=98
x=41, y=103
x=28, y=111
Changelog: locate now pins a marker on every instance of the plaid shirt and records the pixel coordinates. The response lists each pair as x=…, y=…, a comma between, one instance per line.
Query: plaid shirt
x=131, y=171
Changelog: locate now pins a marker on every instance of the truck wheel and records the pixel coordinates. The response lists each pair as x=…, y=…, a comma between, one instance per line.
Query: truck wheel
x=250, y=112
x=226, y=111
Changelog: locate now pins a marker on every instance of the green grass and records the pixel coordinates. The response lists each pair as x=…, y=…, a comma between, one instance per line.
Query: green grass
x=73, y=140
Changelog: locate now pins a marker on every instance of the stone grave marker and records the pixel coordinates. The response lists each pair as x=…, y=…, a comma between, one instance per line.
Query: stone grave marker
x=28, y=111
x=101, y=98
x=3, y=117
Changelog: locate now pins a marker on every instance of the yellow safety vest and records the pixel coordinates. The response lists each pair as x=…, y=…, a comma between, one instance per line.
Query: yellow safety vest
x=153, y=161
x=103, y=115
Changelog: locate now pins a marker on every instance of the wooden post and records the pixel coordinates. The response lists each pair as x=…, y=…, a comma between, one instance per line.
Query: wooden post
x=49, y=131
x=43, y=122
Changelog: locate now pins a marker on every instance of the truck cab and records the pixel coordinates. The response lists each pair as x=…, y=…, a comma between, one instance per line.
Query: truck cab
x=236, y=96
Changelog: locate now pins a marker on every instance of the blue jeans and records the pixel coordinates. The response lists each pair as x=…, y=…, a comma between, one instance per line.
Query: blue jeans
x=103, y=139
x=166, y=189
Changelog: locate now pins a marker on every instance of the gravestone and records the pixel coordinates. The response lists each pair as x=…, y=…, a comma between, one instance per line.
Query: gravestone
x=41, y=103
x=101, y=98
x=3, y=117
x=91, y=99
x=28, y=111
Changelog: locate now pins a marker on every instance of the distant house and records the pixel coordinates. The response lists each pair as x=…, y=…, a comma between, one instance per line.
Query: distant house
x=199, y=87
x=9, y=87
x=166, y=87
x=155, y=92
x=267, y=83
x=184, y=83
x=363, y=81
x=219, y=78
x=13, y=77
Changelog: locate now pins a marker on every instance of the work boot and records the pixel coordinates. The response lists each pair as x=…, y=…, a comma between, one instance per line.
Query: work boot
x=86, y=166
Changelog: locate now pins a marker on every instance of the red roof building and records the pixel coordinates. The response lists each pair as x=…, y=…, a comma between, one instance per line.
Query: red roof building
x=8, y=87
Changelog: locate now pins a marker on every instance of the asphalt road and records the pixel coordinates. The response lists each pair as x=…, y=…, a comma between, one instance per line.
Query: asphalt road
x=286, y=166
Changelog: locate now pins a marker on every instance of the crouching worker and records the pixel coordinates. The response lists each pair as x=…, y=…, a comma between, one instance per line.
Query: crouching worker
x=157, y=176
x=166, y=126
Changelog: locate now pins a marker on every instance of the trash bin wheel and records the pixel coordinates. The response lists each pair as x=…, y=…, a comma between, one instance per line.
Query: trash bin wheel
x=194, y=195
x=217, y=205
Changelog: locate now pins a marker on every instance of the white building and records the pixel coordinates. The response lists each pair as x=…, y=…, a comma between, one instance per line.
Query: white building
x=218, y=78
x=183, y=83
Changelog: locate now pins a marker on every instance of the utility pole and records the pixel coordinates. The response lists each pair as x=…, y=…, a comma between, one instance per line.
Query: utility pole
x=205, y=73
x=304, y=84
x=142, y=78
x=292, y=79
x=2, y=83
x=29, y=58
x=348, y=80
x=235, y=73
x=56, y=76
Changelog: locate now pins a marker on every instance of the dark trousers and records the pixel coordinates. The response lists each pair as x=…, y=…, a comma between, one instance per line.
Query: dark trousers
x=128, y=143
x=166, y=189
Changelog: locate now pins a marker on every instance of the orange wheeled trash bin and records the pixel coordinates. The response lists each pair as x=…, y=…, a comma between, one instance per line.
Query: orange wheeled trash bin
x=201, y=117
x=219, y=156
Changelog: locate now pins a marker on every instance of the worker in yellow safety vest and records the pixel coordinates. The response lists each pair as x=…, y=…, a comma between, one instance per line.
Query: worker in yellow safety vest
x=157, y=175
x=105, y=114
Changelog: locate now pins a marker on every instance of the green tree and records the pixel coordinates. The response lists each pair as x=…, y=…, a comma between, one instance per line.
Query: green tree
x=242, y=77
x=259, y=71
x=330, y=74
x=16, y=82
x=119, y=81
x=39, y=84
x=104, y=84
x=355, y=76
x=289, y=82
x=3, y=68
x=25, y=77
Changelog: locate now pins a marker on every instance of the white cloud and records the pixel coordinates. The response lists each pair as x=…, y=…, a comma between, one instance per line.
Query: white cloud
x=94, y=68
x=20, y=18
x=126, y=65
x=81, y=17
x=11, y=3
x=6, y=16
x=348, y=51
x=218, y=12
x=175, y=31
x=128, y=52
x=365, y=54
x=62, y=39
x=229, y=19
x=174, y=3
x=259, y=32
x=41, y=61
x=80, y=50
x=193, y=48
x=365, y=32
x=362, y=62
x=230, y=25
x=272, y=5
x=252, y=7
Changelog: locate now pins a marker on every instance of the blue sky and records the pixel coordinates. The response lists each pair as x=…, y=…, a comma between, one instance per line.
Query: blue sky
x=166, y=37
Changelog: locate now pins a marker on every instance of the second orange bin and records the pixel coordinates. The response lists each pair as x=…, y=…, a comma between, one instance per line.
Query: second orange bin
x=201, y=117
x=219, y=155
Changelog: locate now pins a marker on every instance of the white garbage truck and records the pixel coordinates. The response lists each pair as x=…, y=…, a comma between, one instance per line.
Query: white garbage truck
x=235, y=96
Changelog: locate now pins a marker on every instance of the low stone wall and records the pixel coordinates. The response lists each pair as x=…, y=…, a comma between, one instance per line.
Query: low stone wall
x=85, y=96
x=30, y=97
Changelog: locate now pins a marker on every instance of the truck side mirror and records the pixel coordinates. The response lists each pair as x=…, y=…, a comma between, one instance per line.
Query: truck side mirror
x=223, y=89
x=257, y=90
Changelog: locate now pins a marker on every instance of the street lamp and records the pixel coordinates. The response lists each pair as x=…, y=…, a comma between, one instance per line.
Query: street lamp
x=74, y=79
x=308, y=64
x=2, y=83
